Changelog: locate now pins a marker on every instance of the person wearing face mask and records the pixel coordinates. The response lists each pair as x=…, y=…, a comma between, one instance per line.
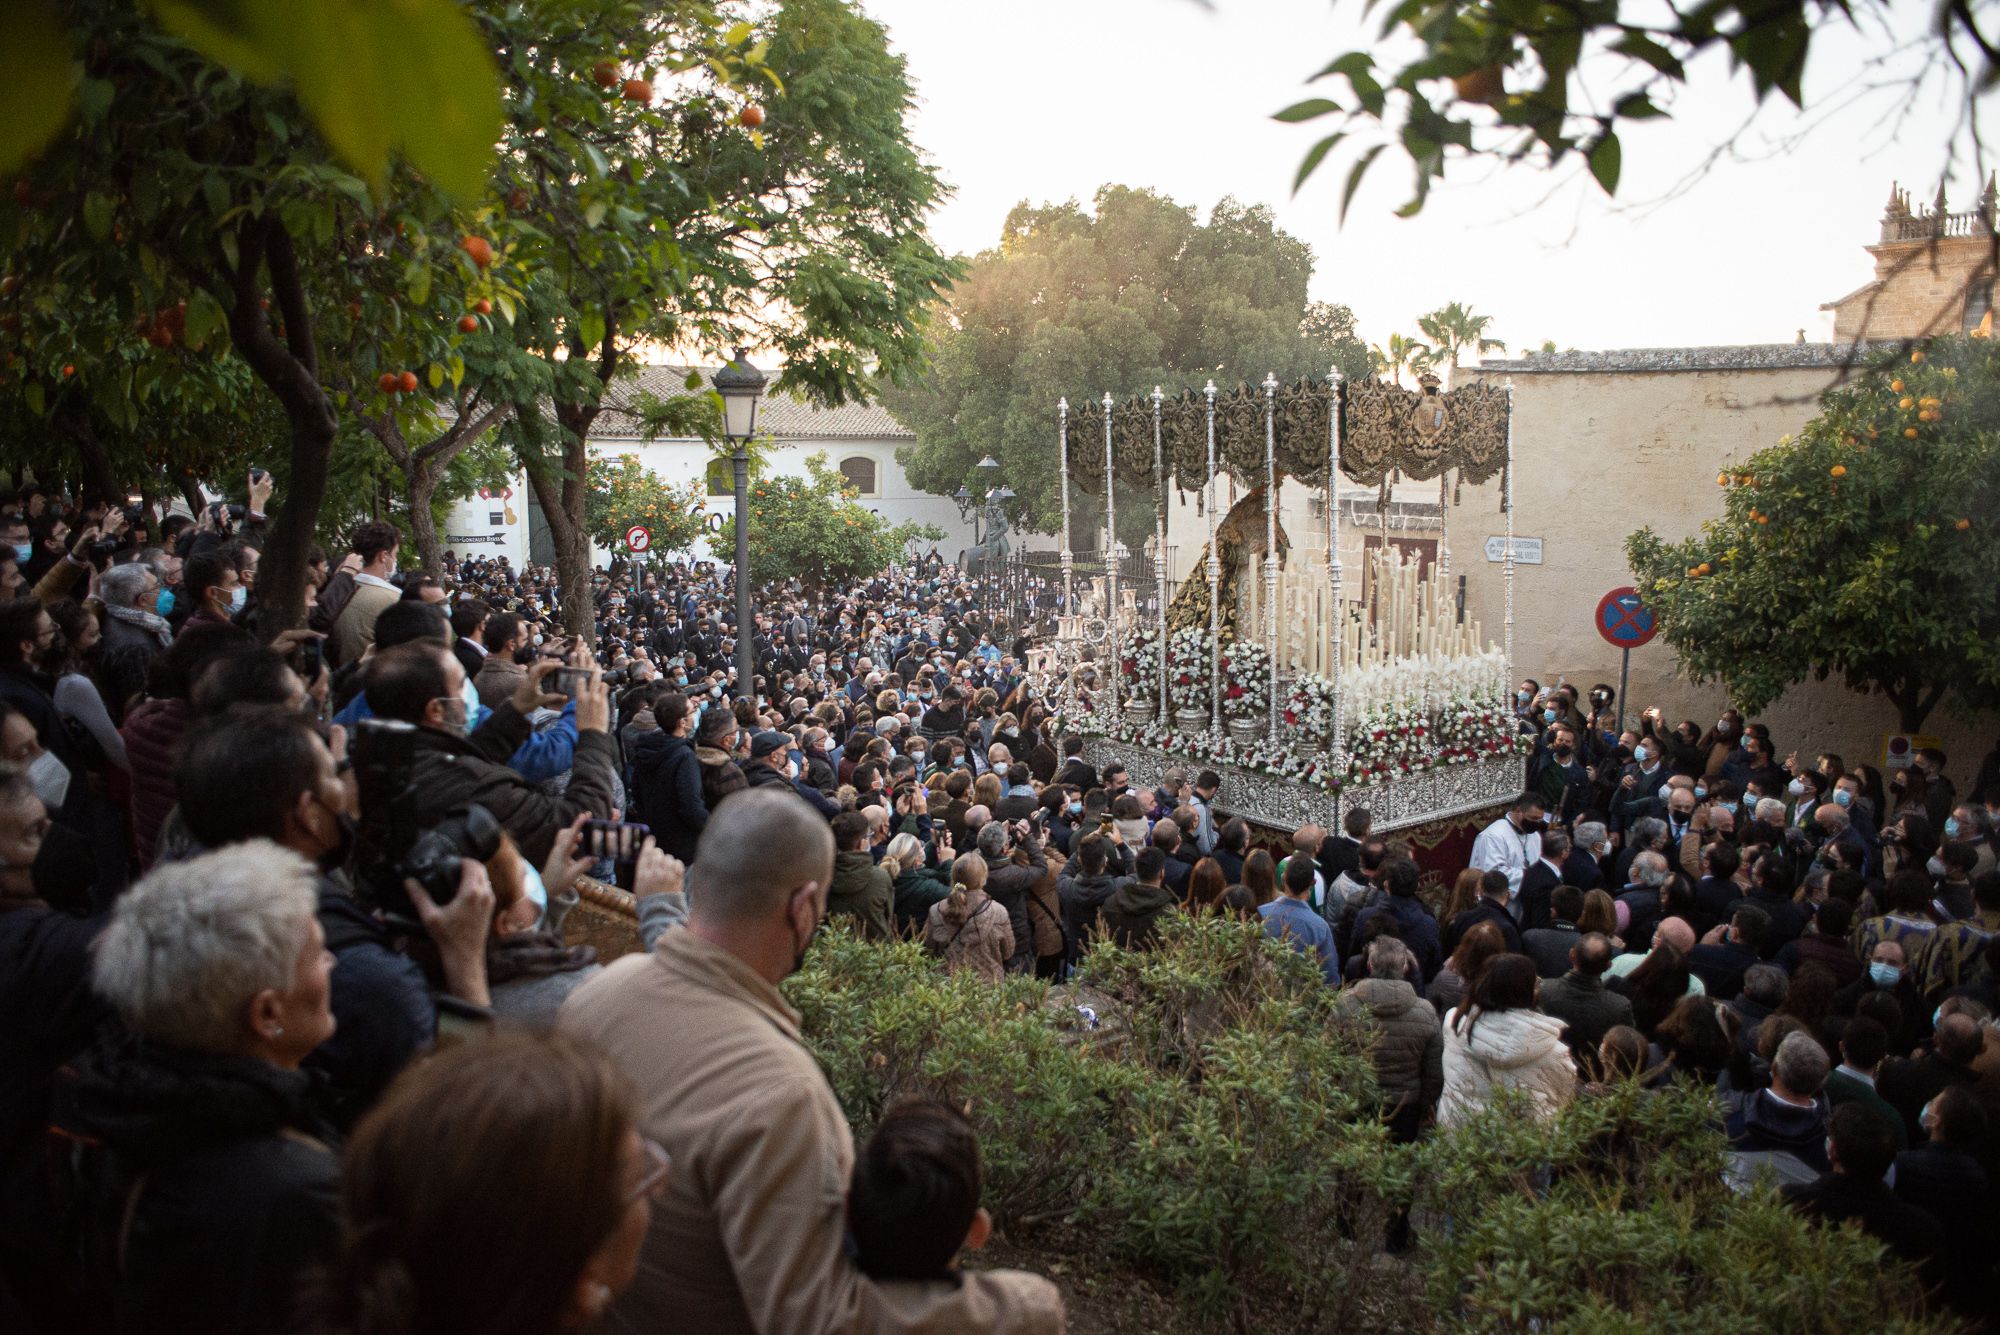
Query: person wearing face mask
x=1561, y=777
x=1886, y=971
x=420, y=683
x=1641, y=791
x=747, y=1237
x=1512, y=843
x=31, y=651
x=263, y=772
x=214, y=590
x=771, y=765
x=1719, y=743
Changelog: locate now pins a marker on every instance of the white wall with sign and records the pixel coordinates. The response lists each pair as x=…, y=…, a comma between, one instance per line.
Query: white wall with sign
x=1527, y=551
x=492, y=525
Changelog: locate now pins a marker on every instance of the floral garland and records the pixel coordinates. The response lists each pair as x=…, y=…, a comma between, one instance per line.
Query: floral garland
x=1246, y=679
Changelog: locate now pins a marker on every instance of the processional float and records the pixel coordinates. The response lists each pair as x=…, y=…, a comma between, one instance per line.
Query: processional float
x=1384, y=695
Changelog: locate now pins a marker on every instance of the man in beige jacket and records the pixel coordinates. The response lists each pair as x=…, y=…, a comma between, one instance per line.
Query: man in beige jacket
x=748, y=1239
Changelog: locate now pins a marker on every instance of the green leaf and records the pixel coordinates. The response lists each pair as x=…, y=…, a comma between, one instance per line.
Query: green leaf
x=41, y=77
x=32, y=395
x=1641, y=47
x=205, y=316
x=93, y=99
x=1354, y=176
x=1605, y=160
x=1348, y=65
x=1310, y=109
x=239, y=46
x=97, y=211
x=1314, y=157
x=434, y=374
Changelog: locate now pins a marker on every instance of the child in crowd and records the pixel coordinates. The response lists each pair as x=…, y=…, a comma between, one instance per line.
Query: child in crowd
x=914, y=1202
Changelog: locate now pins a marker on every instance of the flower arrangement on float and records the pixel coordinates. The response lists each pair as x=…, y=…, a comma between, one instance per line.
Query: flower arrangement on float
x=1308, y=710
x=1139, y=662
x=1190, y=682
x=1246, y=679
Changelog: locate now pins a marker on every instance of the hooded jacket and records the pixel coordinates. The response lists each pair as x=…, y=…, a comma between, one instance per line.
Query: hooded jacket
x=1521, y=1050
x=1133, y=912
x=204, y=1186
x=720, y=775
x=916, y=890
x=1011, y=883
x=862, y=890
x=1408, y=1049
x=1082, y=897
x=1768, y=1123
x=667, y=782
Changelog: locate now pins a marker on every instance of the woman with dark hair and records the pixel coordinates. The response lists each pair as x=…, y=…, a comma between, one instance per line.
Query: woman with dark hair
x=1206, y=886
x=1691, y=1038
x=1907, y=917
x=1260, y=877
x=1655, y=987
x=1481, y=943
x=1497, y=1041
x=1872, y=790
x=1809, y=1000
x=1600, y=914
x=501, y=1187
x=77, y=695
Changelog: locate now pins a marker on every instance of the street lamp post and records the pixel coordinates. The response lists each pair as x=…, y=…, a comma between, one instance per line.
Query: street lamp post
x=741, y=385
x=984, y=511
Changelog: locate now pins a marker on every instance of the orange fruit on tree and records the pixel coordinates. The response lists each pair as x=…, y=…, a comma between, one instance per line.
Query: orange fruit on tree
x=1916, y=355
x=478, y=249
x=68, y=370
x=1839, y=470
x=468, y=324
x=1963, y=525
x=638, y=90
x=387, y=382
x=1906, y=403
x=407, y=382
x=1487, y=85
x=1910, y=432
x=751, y=116
x=1895, y=386
x=482, y=306
x=605, y=72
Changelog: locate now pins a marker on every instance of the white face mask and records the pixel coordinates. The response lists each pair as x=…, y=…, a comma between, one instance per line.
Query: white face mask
x=50, y=780
x=1000, y=769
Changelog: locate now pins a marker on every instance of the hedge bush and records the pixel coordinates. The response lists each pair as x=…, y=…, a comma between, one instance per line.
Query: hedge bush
x=1210, y=1121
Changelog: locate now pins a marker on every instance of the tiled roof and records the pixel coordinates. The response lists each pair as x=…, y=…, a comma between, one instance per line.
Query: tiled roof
x=779, y=415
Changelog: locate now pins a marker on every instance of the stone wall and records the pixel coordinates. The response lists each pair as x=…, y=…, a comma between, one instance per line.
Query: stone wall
x=1607, y=443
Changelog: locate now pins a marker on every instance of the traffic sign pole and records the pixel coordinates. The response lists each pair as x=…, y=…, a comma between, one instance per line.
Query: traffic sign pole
x=1626, y=623
x=1624, y=669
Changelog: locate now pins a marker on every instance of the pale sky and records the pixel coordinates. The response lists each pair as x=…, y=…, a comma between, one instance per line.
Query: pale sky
x=1046, y=100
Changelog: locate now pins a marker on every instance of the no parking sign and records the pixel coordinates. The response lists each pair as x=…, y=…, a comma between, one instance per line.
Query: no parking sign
x=638, y=538
x=1624, y=621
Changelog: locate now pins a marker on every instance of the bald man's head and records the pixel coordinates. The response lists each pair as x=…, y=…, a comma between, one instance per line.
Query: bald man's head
x=1591, y=954
x=758, y=848
x=1675, y=932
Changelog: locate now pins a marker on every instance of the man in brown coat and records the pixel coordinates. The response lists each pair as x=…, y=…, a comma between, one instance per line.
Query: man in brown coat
x=748, y=1238
x=1408, y=1050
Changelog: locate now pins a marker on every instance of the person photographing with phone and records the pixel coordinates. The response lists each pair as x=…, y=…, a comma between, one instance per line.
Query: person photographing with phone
x=421, y=684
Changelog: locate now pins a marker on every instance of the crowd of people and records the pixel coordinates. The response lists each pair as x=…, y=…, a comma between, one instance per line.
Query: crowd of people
x=295, y=1015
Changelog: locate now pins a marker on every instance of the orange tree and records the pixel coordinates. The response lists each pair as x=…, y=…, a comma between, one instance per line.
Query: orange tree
x=624, y=492
x=1864, y=548
x=811, y=529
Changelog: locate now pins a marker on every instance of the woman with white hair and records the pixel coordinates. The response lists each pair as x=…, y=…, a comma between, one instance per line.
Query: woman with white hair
x=199, y=1165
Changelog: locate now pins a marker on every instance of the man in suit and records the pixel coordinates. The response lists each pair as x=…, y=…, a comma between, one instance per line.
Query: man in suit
x=1549, y=945
x=1581, y=868
x=468, y=626
x=1341, y=855
x=1863, y=1045
x=1075, y=770
x=1544, y=874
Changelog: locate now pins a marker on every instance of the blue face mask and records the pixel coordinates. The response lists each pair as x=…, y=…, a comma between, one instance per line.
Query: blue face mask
x=1841, y=797
x=1076, y=808
x=237, y=597
x=1884, y=975
x=24, y=552
x=475, y=713
x=164, y=604
x=1700, y=792
x=1951, y=827
x=1641, y=754
x=1548, y=716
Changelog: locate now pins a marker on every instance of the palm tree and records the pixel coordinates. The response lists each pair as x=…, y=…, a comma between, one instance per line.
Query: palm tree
x=1454, y=328
x=1399, y=353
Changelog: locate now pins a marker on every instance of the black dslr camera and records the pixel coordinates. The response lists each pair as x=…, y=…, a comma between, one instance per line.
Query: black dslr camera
x=390, y=846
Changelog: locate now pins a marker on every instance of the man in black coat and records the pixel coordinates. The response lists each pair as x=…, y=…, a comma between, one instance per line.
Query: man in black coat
x=667, y=794
x=1075, y=771
x=1727, y=952
x=1543, y=875
x=771, y=764
x=1491, y=906
x=1942, y=1177
x=1340, y=855
x=1861, y=1150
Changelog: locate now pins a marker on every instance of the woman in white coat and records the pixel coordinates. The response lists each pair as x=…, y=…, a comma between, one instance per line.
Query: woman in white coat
x=1497, y=1040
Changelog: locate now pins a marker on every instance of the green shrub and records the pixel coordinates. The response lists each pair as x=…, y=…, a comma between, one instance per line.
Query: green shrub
x=1215, y=1127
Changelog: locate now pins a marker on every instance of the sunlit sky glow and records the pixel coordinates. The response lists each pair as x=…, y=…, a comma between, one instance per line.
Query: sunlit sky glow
x=1047, y=100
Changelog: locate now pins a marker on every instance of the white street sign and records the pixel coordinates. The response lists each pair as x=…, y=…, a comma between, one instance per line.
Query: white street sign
x=1527, y=551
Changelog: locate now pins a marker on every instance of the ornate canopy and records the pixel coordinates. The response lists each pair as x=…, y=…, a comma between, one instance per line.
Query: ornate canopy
x=1385, y=429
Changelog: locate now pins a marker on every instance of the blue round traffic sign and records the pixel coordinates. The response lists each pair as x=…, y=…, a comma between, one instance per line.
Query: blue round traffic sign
x=1624, y=621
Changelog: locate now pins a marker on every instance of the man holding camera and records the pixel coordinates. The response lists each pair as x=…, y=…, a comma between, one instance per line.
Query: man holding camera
x=421, y=684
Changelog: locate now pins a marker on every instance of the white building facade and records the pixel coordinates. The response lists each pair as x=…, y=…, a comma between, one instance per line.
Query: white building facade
x=859, y=442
